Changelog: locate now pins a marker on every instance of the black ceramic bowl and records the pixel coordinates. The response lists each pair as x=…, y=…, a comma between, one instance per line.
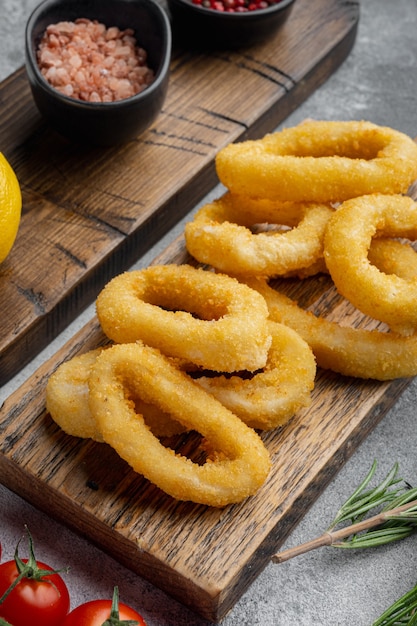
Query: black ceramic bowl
x=109, y=123
x=203, y=28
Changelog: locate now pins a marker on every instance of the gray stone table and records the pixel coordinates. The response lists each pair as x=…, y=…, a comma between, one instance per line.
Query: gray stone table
x=377, y=82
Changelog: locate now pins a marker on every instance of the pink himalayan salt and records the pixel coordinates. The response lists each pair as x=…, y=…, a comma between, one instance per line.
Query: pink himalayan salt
x=87, y=61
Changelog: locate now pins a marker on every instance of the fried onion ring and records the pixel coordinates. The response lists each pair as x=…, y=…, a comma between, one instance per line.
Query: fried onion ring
x=209, y=319
x=320, y=161
x=220, y=235
x=389, y=298
x=357, y=352
x=67, y=401
x=127, y=371
x=271, y=397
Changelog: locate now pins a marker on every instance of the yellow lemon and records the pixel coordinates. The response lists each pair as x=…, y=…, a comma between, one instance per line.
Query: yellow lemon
x=10, y=207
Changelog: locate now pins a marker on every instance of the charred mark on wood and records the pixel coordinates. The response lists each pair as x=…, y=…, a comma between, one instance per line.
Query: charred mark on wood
x=263, y=74
x=174, y=147
x=191, y=139
x=197, y=123
x=225, y=117
x=71, y=256
x=37, y=299
x=272, y=68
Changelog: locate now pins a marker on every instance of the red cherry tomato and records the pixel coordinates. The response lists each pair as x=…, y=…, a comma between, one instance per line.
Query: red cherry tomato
x=44, y=601
x=100, y=612
x=31, y=592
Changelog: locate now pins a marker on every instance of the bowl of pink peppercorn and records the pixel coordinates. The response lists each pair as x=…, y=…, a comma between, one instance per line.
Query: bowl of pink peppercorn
x=98, y=69
x=226, y=24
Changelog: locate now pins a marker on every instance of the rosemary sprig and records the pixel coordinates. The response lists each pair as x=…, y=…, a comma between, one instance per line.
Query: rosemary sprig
x=395, y=520
x=402, y=612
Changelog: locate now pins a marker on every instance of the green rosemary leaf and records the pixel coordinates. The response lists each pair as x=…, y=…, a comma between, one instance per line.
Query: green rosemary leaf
x=359, y=513
x=402, y=611
x=354, y=496
x=374, y=538
x=408, y=496
x=406, y=517
x=361, y=502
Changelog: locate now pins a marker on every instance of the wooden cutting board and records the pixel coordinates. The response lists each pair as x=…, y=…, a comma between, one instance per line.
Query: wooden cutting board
x=204, y=557
x=88, y=214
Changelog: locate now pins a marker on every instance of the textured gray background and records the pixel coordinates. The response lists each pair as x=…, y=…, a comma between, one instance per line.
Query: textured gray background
x=377, y=82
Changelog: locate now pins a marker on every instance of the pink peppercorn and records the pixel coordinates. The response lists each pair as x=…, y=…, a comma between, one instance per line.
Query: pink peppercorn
x=235, y=6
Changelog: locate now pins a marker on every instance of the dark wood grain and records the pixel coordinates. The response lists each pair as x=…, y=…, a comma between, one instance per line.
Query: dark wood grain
x=89, y=214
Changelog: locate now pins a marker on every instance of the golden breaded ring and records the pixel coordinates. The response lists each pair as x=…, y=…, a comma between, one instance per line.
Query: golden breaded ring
x=67, y=401
x=67, y=396
x=220, y=236
x=386, y=297
x=126, y=372
x=209, y=319
x=388, y=255
x=349, y=351
x=320, y=161
x=271, y=397
x=394, y=257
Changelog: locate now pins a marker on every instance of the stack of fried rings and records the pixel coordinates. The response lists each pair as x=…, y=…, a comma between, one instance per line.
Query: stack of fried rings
x=182, y=334
x=140, y=389
x=363, y=170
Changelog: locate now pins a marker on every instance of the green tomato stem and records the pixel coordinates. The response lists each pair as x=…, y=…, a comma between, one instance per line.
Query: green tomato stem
x=29, y=569
x=114, y=619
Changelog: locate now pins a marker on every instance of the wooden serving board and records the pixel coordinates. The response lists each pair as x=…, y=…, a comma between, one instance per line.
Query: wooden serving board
x=88, y=214
x=204, y=557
